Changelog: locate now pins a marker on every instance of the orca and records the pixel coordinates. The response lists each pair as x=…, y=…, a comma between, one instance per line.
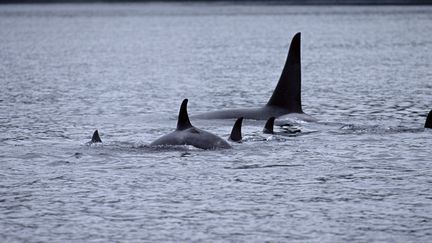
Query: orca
x=286, y=98
x=268, y=128
x=96, y=138
x=186, y=134
x=236, y=135
x=428, y=123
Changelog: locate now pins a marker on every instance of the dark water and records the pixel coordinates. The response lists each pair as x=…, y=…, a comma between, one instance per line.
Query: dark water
x=362, y=174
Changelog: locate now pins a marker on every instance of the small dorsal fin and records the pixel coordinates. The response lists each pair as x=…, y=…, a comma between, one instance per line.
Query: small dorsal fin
x=287, y=94
x=183, y=117
x=96, y=138
x=268, y=128
x=428, y=123
x=236, y=135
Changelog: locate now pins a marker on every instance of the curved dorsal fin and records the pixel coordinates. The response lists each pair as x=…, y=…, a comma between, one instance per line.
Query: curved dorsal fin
x=183, y=117
x=96, y=138
x=287, y=94
x=236, y=135
x=268, y=128
x=428, y=123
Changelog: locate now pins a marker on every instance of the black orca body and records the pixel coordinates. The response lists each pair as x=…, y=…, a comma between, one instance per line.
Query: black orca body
x=428, y=123
x=268, y=128
x=236, y=135
x=286, y=98
x=96, y=138
x=186, y=134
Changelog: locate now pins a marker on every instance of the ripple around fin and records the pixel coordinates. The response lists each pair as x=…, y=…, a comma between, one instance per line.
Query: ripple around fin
x=291, y=130
x=168, y=147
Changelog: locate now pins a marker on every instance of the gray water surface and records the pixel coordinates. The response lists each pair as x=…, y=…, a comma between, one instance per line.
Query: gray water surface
x=362, y=174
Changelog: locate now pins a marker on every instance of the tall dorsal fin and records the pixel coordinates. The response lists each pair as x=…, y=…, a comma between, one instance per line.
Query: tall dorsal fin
x=236, y=135
x=428, y=123
x=287, y=94
x=96, y=138
x=183, y=117
x=268, y=128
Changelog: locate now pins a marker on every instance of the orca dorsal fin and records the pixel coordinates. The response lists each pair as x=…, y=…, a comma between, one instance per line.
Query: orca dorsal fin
x=96, y=138
x=428, y=123
x=183, y=117
x=268, y=128
x=236, y=135
x=287, y=94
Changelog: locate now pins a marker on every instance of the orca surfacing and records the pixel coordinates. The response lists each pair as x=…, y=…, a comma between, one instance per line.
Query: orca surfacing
x=186, y=134
x=286, y=98
x=236, y=134
x=96, y=138
x=428, y=123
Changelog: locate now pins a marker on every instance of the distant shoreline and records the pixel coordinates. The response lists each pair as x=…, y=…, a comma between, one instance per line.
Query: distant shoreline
x=280, y=2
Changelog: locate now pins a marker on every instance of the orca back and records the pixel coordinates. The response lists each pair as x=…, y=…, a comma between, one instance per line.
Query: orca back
x=287, y=94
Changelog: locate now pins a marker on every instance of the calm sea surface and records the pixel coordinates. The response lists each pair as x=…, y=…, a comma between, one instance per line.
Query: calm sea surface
x=362, y=174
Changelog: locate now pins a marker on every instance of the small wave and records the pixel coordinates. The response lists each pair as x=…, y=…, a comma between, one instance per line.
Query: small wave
x=59, y=163
x=255, y=166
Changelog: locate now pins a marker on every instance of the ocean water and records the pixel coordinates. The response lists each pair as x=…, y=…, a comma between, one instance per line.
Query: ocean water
x=363, y=173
